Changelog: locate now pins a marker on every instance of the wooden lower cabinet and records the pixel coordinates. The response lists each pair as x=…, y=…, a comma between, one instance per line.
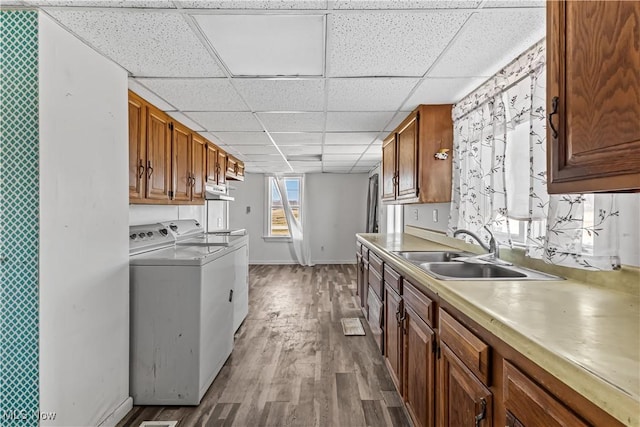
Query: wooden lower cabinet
x=419, y=369
x=463, y=400
x=393, y=335
x=528, y=405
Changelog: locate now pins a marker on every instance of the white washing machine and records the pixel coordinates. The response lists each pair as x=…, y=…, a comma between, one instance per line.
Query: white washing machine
x=182, y=312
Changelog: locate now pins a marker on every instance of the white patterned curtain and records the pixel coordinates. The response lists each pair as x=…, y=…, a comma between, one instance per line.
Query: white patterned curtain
x=499, y=174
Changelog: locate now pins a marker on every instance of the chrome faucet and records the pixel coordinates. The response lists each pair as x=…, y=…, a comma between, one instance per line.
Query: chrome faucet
x=492, y=249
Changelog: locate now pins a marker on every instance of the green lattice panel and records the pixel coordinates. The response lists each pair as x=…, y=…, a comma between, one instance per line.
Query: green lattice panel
x=19, y=195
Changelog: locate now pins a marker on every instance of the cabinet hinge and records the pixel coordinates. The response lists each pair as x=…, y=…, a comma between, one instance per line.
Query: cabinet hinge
x=171, y=126
x=171, y=195
x=434, y=346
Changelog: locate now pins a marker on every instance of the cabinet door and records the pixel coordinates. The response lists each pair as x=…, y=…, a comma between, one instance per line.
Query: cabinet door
x=240, y=174
x=419, y=369
x=158, y=154
x=530, y=405
x=408, y=158
x=389, y=168
x=392, y=336
x=231, y=167
x=181, y=142
x=463, y=398
x=594, y=74
x=137, y=147
x=198, y=166
x=212, y=162
x=221, y=168
x=365, y=288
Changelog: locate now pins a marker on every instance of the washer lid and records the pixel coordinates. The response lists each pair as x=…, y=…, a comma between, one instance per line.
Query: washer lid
x=178, y=255
x=184, y=228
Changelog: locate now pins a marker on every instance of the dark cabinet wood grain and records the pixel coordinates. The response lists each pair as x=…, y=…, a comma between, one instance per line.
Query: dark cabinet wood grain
x=593, y=96
x=389, y=168
x=181, y=147
x=462, y=398
x=419, y=368
x=158, y=155
x=137, y=147
x=407, y=151
x=393, y=335
x=198, y=166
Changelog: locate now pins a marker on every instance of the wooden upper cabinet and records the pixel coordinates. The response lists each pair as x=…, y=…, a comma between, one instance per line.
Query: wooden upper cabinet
x=235, y=169
x=528, y=405
x=137, y=146
x=212, y=162
x=462, y=398
x=407, y=152
x=389, y=168
x=593, y=101
x=198, y=166
x=410, y=172
x=158, y=155
x=182, y=178
x=221, y=167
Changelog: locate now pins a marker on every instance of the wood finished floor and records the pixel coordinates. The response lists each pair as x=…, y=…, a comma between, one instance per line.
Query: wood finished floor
x=291, y=364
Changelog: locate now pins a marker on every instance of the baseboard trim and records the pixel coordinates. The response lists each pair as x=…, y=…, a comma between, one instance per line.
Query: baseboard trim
x=323, y=262
x=118, y=414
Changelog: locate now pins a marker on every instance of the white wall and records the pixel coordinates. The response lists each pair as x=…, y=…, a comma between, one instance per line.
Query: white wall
x=147, y=214
x=84, y=265
x=422, y=215
x=336, y=207
x=629, y=228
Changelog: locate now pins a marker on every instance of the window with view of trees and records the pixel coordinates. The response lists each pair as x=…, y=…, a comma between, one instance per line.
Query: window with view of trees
x=276, y=219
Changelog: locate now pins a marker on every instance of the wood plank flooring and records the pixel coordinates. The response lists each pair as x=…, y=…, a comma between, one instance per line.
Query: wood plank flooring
x=291, y=364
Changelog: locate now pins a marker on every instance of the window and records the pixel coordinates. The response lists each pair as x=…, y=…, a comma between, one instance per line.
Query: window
x=276, y=219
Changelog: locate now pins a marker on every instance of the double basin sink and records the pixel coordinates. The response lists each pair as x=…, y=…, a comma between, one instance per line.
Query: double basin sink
x=452, y=265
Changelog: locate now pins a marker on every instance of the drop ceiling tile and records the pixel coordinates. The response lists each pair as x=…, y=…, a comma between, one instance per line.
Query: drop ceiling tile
x=344, y=157
x=303, y=168
x=292, y=122
x=267, y=158
x=226, y=122
x=353, y=138
x=164, y=4
x=282, y=94
x=389, y=44
x=490, y=40
x=243, y=138
x=344, y=149
x=368, y=94
x=297, y=138
x=168, y=48
x=442, y=91
x=197, y=94
x=180, y=117
x=253, y=4
x=292, y=150
x=337, y=169
x=257, y=149
x=358, y=121
x=267, y=45
x=149, y=96
x=404, y=4
x=395, y=122
x=514, y=3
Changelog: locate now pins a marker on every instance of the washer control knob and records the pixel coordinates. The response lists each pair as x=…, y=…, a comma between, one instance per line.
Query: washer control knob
x=133, y=237
x=150, y=234
x=173, y=227
x=163, y=231
x=141, y=235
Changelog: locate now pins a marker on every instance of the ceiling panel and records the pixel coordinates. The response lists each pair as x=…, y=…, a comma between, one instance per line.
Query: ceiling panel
x=267, y=45
x=297, y=138
x=367, y=44
x=254, y=4
x=490, y=40
x=290, y=150
x=344, y=149
x=282, y=94
x=243, y=138
x=354, y=138
x=168, y=49
x=358, y=121
x=258, y=149
x=395, y=122
x=197, y=94
x=515, y=3
x=442, y=91
x=292, y=122
x=404, y=4
x=182, y=118
x=230, y=122
x=149, y=96
x=165, y=4
x=368, y=94
x=268, y=158
x=344, y=157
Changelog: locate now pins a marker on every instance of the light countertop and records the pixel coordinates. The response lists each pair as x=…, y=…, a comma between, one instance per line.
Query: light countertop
x=585, y=335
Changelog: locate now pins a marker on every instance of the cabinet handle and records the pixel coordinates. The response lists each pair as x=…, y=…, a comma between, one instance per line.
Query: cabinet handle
x=554, y=106
x=483, y=412
x=149, y=169
x=193, y=181
x=140, y=168
x=230, y=295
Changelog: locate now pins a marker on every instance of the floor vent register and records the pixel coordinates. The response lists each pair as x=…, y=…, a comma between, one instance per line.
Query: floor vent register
x=352, y=326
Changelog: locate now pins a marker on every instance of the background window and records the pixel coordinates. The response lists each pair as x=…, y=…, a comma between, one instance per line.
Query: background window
x=276, y=218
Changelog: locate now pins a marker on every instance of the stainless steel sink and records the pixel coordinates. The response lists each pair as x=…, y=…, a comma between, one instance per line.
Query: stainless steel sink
x=434, y=256
x=484, y=271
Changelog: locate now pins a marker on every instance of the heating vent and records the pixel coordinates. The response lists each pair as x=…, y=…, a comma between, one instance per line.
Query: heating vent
x=305, y=158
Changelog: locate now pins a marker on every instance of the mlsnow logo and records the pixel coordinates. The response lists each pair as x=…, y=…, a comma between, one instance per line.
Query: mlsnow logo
x=22, y=415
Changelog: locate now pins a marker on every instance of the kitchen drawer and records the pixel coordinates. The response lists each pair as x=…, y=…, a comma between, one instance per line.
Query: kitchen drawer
x=375, y=263
x=419, y=302
x=470, y=349
x=376, y=283
x=393, y=279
